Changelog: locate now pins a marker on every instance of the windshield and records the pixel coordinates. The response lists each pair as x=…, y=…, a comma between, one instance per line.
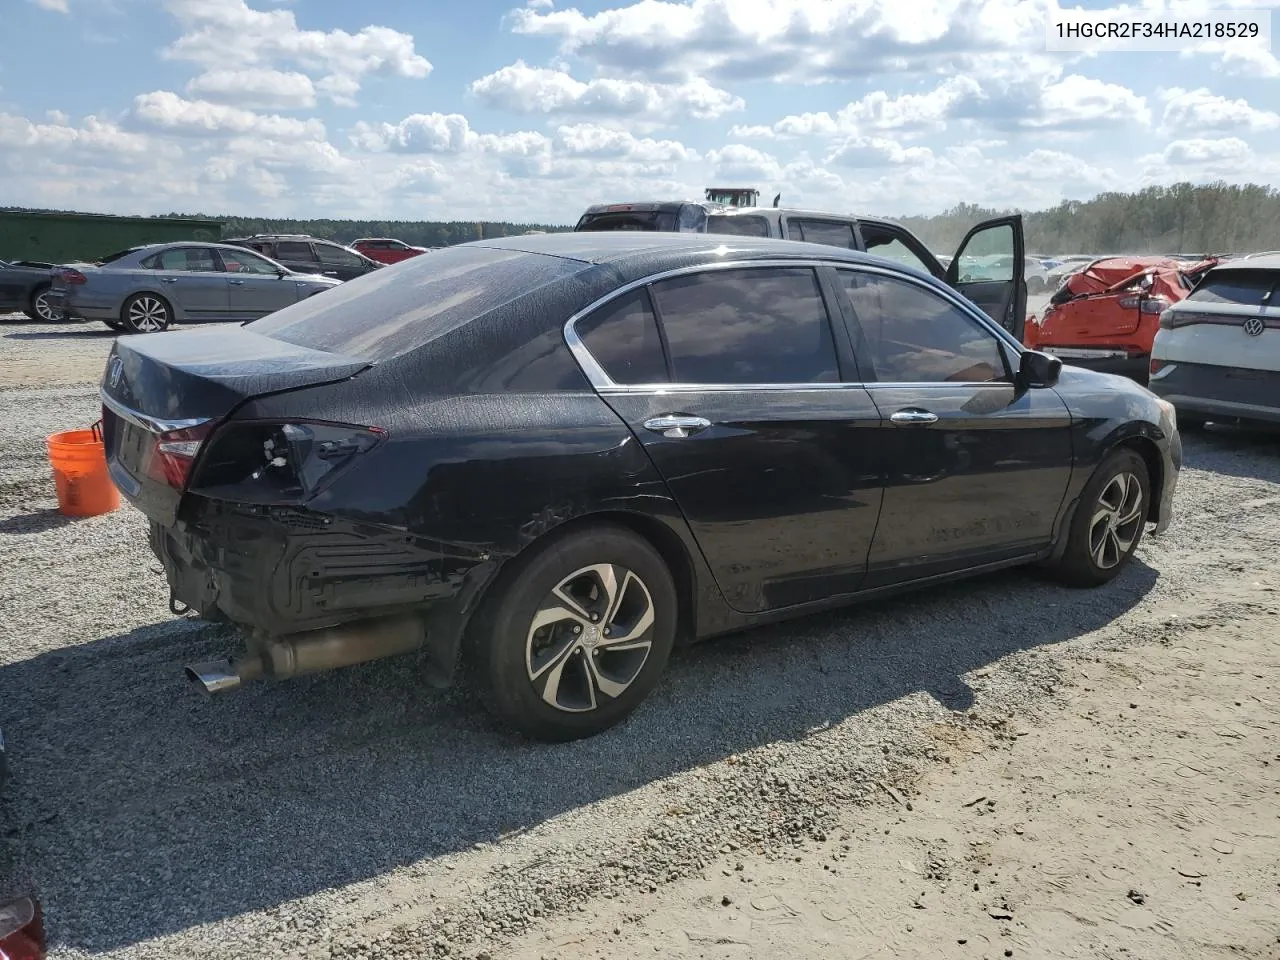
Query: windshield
x=1250, y=287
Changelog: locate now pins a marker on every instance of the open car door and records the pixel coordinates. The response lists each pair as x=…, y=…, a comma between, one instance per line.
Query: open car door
x=989, y=269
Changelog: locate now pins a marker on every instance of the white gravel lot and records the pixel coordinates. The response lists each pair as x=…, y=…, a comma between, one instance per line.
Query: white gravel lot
x=361, y=813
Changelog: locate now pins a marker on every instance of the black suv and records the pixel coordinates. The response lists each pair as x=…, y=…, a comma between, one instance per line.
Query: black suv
x=309, y=255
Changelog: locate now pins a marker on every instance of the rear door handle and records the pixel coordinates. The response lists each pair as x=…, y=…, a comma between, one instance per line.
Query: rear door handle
x=676, y=427
x=914, y=415
x=236, y=283
x=168, y=279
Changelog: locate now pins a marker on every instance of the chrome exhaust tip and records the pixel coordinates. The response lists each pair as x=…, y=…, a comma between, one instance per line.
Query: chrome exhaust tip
x=216, y=677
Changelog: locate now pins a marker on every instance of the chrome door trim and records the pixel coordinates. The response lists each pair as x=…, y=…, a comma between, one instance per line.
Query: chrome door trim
x=603, y=383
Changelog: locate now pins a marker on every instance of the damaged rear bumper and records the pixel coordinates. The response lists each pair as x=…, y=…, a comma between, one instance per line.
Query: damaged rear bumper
x=281, y=571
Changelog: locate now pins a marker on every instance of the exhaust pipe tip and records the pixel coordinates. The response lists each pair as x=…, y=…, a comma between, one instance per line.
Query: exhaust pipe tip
x=213, y=678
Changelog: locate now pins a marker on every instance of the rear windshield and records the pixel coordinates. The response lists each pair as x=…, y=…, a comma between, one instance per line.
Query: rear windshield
x=1253, y=287
x=655, y=221
x=386, y=313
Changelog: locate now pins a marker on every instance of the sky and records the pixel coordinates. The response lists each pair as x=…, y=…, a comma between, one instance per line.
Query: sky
x=485, y=109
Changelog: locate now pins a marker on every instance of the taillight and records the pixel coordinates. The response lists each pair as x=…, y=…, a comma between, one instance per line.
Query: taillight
x=280, y=462
x=70, y=276
x=174, y=452
x=1172, y=319
x=21, y=930
x=1152, y=306
x=1154, y=367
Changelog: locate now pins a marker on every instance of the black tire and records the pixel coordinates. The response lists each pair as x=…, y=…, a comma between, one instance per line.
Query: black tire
x=38, y=309
x=513, y=664
x=1094, y=554
x=146, y=313
x=114, y=324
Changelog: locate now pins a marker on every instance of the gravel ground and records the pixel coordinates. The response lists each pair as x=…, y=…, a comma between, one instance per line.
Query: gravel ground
x=361, y=813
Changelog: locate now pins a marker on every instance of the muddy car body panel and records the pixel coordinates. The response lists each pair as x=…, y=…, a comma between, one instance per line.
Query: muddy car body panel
x=404, y=445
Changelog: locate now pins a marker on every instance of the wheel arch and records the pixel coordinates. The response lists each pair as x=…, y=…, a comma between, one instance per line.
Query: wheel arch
x=1146, y=448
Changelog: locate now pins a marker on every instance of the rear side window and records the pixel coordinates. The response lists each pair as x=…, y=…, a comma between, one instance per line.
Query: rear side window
x=623, y=337
x=1252, y=287
x=334, y=256
x=292, y=250
x=827, y=232
x=763, y=325
x=738, y=226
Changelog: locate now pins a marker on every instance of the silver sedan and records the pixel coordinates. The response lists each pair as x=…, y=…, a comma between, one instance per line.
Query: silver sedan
x=145, y=289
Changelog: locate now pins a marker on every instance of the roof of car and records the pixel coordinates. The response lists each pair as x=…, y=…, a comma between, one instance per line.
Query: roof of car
x=1266, y=261
x=611, y=246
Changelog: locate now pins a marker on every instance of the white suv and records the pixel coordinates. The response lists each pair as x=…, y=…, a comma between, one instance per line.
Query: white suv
x=1217, y=353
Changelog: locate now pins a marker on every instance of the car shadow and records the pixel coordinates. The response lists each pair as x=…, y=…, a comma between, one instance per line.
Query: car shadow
x=38, y=521
x=134, y=799
x=96, y=332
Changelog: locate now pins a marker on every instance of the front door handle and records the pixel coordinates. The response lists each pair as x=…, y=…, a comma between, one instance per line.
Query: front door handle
x=676, y=427
x=236, y=283
x=914, y=415
x=168, y=279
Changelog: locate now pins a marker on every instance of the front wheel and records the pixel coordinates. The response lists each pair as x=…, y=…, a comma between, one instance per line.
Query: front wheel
x=146, y=313
x=1108, y=522
x=577, y=634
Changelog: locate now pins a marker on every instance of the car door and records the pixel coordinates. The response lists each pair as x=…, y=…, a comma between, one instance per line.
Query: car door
x=297, y=255
x=339, y=262
x=254, y=285
x=193, y=279
x=769, y=452
x=976, y=466
x=988, y=268
x=13, y=286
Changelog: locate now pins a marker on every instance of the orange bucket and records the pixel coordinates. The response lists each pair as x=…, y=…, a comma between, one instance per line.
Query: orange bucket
x=79, y=463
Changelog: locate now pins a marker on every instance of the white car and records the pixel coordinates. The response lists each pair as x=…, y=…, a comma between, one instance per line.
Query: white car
x=1217, y=353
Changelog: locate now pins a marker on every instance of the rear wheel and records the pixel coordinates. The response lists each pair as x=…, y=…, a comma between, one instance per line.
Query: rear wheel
x=577, y=634
x=1108, y=522
x=146, y=313
x=39, y=307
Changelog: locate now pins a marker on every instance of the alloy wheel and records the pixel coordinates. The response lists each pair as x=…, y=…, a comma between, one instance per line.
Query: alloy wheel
x=590, y=638
x=44, y=309
x=1117, y=520
x=147, y=315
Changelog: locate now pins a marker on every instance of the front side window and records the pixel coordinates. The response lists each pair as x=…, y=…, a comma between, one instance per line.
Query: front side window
x=829, y=233
x=185, y=259
x=743, y=226
x=292, y=250
x=761, y=325
x=335, y=256
x=916, y=336
x=623, y=338
x=242, y=261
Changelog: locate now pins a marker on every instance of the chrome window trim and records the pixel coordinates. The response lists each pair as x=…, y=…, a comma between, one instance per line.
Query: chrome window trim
x=603, y=383
x=154, y=424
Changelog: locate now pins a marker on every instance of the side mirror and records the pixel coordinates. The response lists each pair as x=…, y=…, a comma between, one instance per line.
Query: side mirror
x=1036, y=369
x=281, y=272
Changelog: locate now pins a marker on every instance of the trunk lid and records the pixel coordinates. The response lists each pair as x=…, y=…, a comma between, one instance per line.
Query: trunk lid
x=174, y=388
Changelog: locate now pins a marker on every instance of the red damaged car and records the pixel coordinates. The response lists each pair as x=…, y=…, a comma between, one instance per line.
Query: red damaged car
x=1105, y=316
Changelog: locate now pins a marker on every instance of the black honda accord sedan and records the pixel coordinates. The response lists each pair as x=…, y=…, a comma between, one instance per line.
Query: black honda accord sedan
x=550, y=458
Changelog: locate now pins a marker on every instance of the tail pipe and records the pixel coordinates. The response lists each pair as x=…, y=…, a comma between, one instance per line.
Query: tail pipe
x=311, y=652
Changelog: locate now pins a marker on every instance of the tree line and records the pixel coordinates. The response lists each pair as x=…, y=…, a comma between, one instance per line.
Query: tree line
x=1182, y=218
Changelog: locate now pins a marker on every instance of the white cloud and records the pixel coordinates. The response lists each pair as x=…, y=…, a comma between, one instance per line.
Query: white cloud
x=591, y=140
x=1199, y=111
x=740, y=162
x=877, y=152
x=166, y=111
x=418, y=133
x=1231, y=151
x=224, y=35
x=520, y=88
x=791, y=40
x=57, y=6
x=258, y=87
x=1077, y=102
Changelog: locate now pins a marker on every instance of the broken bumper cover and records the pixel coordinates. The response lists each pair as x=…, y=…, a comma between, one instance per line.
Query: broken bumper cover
x=283, y=570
